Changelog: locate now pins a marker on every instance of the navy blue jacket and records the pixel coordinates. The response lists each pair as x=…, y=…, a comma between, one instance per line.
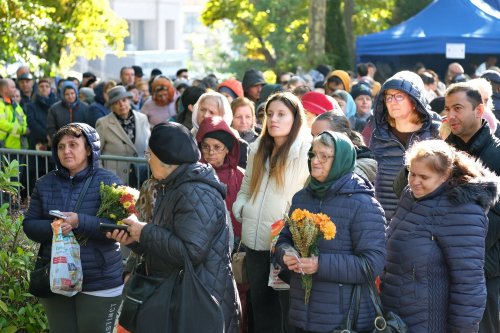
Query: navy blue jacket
x=36, y=113
x=387, y=149
x=100, y=256
x=190, y=213
x=359, y=219
x=433, y=274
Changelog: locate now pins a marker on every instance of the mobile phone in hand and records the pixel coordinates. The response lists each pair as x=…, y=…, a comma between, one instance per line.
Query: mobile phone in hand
x=105, y=227
x=58, y=214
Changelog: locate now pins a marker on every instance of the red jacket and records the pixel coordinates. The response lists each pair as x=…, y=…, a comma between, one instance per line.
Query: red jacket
x=229, y=173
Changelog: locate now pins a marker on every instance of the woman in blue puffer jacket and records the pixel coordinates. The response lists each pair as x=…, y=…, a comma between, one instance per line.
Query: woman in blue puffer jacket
x=401, y=118
x=349, y=202
x=76, y=152
x=433, y=276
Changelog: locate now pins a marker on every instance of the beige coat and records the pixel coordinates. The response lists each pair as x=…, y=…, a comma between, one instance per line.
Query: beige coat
x=271, y=203
x=114, y=141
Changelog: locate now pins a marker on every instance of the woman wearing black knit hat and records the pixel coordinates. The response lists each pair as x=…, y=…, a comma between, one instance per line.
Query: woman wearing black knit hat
x=189, y=219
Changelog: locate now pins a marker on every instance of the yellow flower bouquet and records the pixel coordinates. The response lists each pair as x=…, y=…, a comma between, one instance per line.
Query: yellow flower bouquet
x=117, y=202
x=307, y=230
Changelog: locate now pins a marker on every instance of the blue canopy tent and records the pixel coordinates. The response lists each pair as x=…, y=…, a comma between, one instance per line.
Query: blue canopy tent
x=424, y=37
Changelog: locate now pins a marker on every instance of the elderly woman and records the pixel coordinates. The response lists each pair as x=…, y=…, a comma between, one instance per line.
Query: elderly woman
x=189, y=217
x=434, y=275
x=349, y=201
x=215, y=104
x=124, y=132
x=401, y=118
x=75, y=151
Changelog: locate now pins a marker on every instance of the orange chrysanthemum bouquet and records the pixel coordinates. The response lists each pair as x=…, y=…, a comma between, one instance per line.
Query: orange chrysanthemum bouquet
x=307, y=230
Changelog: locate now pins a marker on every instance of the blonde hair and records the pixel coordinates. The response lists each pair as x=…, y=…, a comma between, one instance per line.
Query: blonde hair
x=266, y=150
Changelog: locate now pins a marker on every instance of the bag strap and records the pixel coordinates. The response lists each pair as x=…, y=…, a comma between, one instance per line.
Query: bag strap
x=380, y=322
x=352, y=315
x=83, y=192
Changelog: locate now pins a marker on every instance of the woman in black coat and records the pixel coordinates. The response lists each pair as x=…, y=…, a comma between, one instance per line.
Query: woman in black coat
x=189, y=218
x=433, y=276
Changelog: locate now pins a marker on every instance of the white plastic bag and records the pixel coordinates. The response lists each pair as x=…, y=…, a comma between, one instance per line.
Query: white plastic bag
x=66, y=274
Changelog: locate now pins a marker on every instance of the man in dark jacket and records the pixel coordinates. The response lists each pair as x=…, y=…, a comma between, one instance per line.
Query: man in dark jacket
x=470, y=133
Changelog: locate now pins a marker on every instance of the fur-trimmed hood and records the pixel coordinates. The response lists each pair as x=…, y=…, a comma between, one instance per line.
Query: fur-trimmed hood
x=483, y=190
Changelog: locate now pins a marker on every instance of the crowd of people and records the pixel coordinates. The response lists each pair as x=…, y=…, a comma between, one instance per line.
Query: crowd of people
x=407, y=169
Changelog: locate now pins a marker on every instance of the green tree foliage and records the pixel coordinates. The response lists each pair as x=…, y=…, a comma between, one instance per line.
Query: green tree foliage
x=19, y=310
x=268, y=34
x=274, y=34
x=53, y=33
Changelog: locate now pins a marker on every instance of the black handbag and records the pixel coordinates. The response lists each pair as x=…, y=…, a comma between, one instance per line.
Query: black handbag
x=139, y=304
x=352, y=316
x=39, y=285
x=179, y=303
x=194, y=309
x=385, y=322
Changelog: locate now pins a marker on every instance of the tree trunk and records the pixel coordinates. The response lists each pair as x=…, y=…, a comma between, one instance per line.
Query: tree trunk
x=317, y=26
x=348, y=13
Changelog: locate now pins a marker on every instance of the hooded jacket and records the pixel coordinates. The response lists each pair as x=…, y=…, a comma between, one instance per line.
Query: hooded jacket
x=190, y=212
x=386, y=148
x=433, y=274
x=100, y=256
x=98, y=109
x=61, y=113
x=13, y=125
x=229, y=173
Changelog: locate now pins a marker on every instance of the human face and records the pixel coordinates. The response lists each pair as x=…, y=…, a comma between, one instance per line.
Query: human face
x=322, y=161
x=279, y=121
x=69, y=96
x=310, y=118
x=44, y=89
x=158, y=169
x=17, y=96
x=121, y=107
x=319, y=126
x=243, y=119
x=208, y=108
x=26, y=86
x=73, y=153
x=228, y=96
x=214, y=151
x=363, y=104
x=422, y=179
x=401, y=110
x=128, y=76
x=254, y=92
x=161, y=97
x=332, y=87
x=463, y=117
x=341, y=102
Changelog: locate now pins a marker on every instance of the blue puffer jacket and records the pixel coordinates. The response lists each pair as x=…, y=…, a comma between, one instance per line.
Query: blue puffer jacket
x=386, y=148
x=359, y=219
x=434, y=275
x=100, y=256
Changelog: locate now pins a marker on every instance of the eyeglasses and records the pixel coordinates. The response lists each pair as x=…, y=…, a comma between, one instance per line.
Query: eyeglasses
x=216, y=148
x=147, y=155
x=397, y=97
x=322, y=158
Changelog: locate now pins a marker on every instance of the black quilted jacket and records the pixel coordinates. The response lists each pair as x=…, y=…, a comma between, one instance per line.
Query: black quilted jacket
x=190, y=211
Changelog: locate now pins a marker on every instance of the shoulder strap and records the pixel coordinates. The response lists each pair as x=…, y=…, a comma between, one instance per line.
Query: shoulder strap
x=83, y=192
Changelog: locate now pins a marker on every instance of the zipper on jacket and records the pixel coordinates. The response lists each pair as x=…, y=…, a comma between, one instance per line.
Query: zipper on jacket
x=259, y=220
x=341, y=300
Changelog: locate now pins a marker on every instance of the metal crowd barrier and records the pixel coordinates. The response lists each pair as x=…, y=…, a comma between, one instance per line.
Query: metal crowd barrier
x=34, y=164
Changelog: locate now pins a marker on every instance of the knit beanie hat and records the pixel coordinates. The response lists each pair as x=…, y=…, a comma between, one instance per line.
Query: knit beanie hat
x=173, y=144
x=223, y=137
x=234, y=85
x=316, y=102
x=344, y=77
x=360, y=89
x=252, y=78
